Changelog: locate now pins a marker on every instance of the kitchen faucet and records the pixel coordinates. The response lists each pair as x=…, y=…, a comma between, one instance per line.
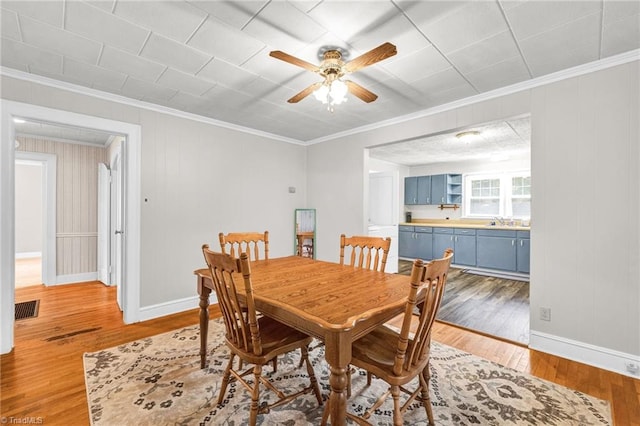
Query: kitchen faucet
x=500, y=220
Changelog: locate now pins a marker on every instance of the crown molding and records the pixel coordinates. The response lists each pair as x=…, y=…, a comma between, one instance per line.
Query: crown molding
x=34, y=78
x=590, y=67
x=612, y=61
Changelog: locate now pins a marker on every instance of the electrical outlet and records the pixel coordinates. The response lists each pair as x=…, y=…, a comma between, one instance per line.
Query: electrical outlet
x=633, y=368
x=545, y=314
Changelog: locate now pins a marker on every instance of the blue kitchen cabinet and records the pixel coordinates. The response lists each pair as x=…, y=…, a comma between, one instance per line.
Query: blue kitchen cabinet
x=414, y=242
x=438, y=189
x=464, y=246
x=405, y=240
x=424, y=189
x=454, y=189
x=411, y=190
x=523, y=252
x=442, y=240
x=433, y=189
x=496, y=249
x=417, y=190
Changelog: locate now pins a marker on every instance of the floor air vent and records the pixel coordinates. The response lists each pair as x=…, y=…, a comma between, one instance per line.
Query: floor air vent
x=26, y=310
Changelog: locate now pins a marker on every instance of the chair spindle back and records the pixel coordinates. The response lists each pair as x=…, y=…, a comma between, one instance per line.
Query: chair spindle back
x=366, y=252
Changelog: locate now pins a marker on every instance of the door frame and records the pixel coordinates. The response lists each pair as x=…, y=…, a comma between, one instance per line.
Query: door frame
x=131, y=151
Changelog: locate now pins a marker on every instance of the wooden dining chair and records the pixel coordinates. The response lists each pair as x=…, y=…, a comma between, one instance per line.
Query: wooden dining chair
x=398, y=357
x=255, y=340
x=235, y=243
x=366, y=252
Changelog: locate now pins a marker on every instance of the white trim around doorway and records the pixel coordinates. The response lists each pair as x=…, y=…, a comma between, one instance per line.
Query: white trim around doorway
x=132, y=161
x=49, y=164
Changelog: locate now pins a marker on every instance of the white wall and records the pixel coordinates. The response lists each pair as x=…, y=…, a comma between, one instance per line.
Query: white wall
x=585, y=255
x=199, y=179
x=29, y=208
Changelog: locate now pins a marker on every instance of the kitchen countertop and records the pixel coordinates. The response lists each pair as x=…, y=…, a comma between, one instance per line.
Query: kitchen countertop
x=463, y=223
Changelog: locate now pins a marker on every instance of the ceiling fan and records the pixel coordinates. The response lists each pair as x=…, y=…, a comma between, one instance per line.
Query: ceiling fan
x=333, y=89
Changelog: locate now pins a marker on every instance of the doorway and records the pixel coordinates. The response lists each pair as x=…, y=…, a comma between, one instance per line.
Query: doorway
x=131, y=177
x=29, y=222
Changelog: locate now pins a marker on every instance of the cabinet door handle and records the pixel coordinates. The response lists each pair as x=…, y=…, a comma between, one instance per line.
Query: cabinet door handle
x=456, y=239
x=513, y=242
x=428, y=199
x=521, y=243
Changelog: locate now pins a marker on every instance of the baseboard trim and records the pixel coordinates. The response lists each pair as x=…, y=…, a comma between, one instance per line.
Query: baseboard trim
x=574, y=350
x=28, y=255
x=76, y=278
x=173, y=307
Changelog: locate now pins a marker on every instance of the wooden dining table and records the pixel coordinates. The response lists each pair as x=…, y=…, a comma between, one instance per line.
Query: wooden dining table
x=334, y=303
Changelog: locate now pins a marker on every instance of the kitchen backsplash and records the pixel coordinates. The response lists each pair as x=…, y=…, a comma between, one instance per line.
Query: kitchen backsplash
x=433, y=212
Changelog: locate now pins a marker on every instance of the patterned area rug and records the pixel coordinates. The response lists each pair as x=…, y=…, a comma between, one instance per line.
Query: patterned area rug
x=157, y=381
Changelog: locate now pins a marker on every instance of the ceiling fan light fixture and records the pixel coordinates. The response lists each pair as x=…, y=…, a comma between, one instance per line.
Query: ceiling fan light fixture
x=338, y=92
x=333, y=93
x=322, y=93
x=468, y=135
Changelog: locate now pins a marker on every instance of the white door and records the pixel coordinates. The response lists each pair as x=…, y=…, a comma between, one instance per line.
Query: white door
x=383, y=204
x=104, y=213
x=117, y=227
x=383, y=212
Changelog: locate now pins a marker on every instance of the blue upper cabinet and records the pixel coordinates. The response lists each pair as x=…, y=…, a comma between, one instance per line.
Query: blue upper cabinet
x=424, y=190
x=434, y=189
x=411, y=190
x=439, y=189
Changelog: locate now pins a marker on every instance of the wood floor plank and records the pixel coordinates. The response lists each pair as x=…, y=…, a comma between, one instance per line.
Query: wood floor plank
x=491, y=305
x=44, y=378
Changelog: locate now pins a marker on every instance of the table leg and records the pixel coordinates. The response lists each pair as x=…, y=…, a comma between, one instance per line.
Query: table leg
x=204, y=321
x=338, y=356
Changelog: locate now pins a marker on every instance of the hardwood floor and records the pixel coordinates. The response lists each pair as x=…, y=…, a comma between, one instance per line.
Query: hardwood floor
x=493, y=306
x=43, y=376
x=28, y=271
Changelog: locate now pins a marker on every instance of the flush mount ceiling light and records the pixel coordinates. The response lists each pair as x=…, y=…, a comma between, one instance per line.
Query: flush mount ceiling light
x=333, y=90
x=468, y=135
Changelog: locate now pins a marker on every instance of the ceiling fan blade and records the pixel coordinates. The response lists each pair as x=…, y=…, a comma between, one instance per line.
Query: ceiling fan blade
x=360, y=91
x=378, y=54
x=304, y=93
x=293, y=60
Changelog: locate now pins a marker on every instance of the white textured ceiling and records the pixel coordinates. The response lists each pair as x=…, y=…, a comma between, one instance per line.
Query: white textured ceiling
x=211, y=58
x=496, y=141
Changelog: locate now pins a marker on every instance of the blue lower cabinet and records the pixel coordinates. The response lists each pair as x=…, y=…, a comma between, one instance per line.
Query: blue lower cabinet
x=464, y=247
x=523, y=252
x=497, y=249
x=414, y=242
x=442, y=240
x=424, y=243
x=405, y=241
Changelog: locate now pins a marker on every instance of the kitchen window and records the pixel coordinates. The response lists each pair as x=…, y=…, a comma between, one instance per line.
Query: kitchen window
x=506, y=194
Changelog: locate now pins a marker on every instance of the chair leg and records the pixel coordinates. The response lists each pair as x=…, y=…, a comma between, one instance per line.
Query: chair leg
x=325, y=414
x=255, y=395
x=312, y=374
x=425, y=377
x=397, y=414
x=225, y=379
